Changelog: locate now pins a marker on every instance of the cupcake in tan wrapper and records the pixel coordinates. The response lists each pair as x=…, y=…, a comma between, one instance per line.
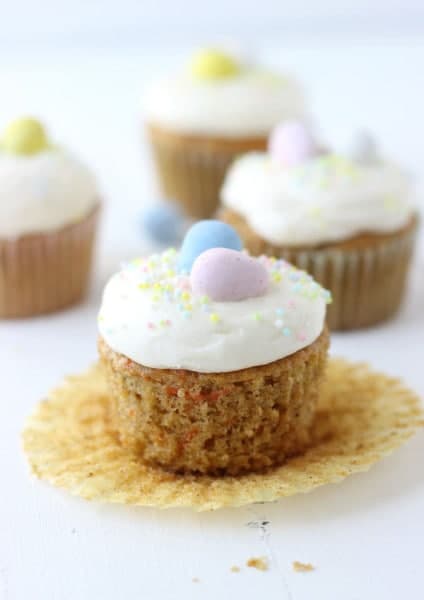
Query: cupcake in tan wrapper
x=199, y=120
x=213, y=360
x=48, y=218
x=347, y=220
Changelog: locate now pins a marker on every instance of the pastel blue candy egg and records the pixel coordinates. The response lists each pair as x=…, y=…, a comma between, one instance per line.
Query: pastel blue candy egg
x=204, y=235
x=163, y=222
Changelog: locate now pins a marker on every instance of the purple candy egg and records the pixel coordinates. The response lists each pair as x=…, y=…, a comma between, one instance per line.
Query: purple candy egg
x=228, y=275
x=291, y=144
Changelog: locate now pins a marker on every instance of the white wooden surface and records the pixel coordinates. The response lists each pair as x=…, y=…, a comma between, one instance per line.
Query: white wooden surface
x=364, y=535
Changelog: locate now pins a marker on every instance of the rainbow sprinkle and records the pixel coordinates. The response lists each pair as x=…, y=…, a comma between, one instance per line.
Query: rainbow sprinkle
x=158, y=277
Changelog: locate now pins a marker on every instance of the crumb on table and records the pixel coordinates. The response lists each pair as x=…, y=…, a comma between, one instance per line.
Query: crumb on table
x=235, y=569
x=261, y=563
x=195, y=580
x=301, y=567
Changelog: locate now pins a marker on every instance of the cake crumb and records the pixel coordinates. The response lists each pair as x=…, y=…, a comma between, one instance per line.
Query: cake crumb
x=235, y=569
x=260, y=563
x=301, y=567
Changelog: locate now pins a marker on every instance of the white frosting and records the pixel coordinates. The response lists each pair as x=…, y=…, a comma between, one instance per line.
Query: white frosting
x=43, y=192
x=149, y=315
x=248, y=104
x=326, y=199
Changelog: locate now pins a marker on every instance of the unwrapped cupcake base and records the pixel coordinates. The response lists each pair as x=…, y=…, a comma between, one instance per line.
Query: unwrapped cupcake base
x=70, y=442
x=45, y=272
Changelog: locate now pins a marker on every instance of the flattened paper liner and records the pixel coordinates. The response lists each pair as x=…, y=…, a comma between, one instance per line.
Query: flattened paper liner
x=70, y=442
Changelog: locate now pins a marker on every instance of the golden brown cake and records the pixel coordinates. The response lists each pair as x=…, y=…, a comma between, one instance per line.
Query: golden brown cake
x=216, y=423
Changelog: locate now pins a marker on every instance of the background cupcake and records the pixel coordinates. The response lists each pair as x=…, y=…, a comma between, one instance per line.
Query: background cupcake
x=347, y=220
x=214, y=358
x=201, y=118
x=48, y=214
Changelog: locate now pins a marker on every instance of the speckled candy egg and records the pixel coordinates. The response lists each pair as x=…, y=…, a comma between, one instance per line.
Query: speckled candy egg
x=363, y=149
x=164, y=222
x=213, y=64
x=24, y=136
x=228, y=275
x=291, y=144
x=204, y=235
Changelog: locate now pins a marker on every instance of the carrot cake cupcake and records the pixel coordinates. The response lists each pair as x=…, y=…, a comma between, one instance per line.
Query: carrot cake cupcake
x=346, y=219
x=48, y=213
x=214, y=357
x=199, y=119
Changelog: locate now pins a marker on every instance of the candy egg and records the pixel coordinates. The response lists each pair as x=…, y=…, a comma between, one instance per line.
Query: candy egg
x=204, y=235
x=24, y=136
x=164, y=222
x=213, y=64
x=363, y=149
x=228, y=275
x=291, y=144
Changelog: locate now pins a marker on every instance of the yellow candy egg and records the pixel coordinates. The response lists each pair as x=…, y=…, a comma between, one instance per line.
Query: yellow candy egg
x=24, y=136
x=213, y=64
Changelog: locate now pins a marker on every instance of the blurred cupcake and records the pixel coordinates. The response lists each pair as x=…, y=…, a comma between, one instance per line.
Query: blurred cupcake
x=347, y=220
x=48, y=213
x=214, y=358
x=201, y=118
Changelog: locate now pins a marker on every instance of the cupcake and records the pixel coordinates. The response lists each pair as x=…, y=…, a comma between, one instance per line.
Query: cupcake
x=48, y=213
x=201, y=118
x=213, y=357
x=346, y=219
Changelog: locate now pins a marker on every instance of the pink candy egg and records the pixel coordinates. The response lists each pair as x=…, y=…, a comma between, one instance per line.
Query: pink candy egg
x=291, y=144
x=228, y=275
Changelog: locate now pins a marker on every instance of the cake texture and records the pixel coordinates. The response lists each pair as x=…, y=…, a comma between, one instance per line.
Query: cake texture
x=49, y=210
x=200, y=119
x=218, y=383
x=349, y=221
x=217, y=423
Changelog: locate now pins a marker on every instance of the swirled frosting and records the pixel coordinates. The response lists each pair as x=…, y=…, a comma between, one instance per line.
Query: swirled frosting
x=247, y=104
x=327, y=198
x=43, y=192
x=150, y=314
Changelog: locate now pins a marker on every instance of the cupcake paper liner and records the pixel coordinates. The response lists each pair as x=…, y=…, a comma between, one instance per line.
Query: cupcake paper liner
x=367, y=280
x=367, y=285
x=362, y=416
x=46, y=272
x=191, y=169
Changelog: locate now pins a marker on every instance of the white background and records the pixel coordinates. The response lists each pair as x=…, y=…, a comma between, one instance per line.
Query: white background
x=82, y=67
x=160, y=21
